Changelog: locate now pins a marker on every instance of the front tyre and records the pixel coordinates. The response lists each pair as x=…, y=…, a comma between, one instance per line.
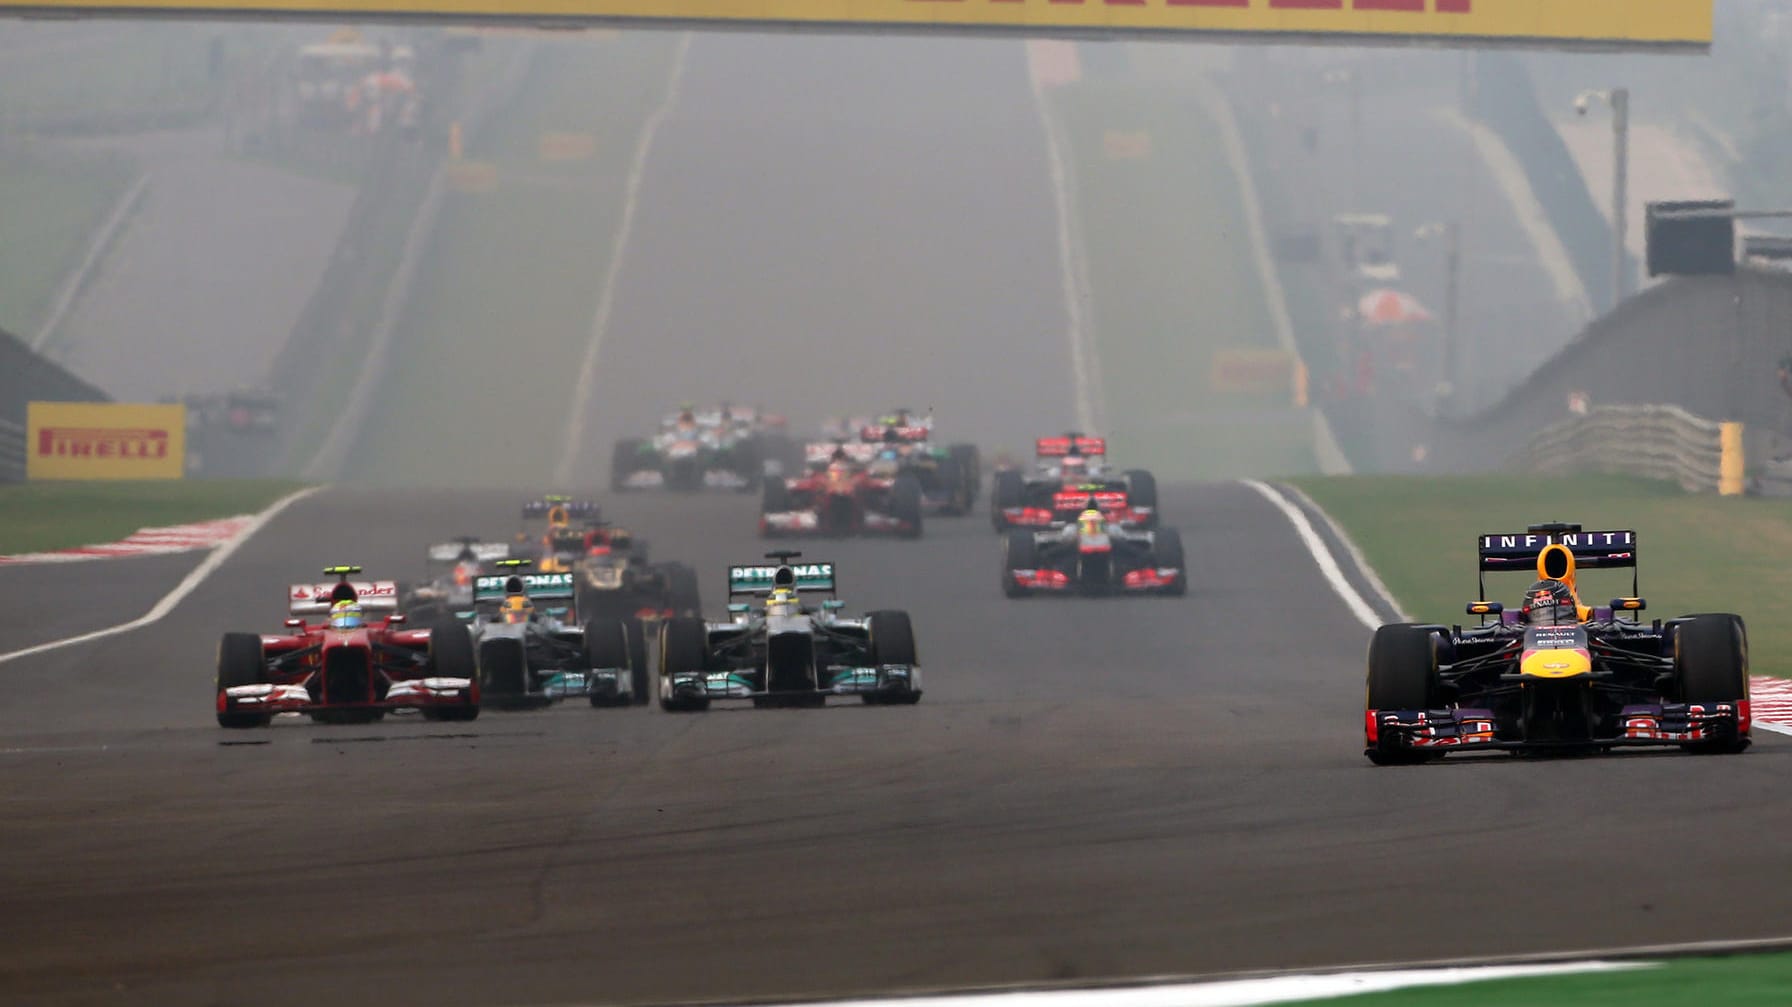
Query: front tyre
x=684, y=646
x=1711, y=666
x=241, y=662
x=1402, y=676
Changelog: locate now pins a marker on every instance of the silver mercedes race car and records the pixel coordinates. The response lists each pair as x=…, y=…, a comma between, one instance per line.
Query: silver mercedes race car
x=531, y=652
x=784, y=652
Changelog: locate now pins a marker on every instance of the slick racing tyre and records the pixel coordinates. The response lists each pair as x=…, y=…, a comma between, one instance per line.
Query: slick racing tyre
x=1008, y=491
x=1711, y=666
x=1402, y=676
x=1169, y=554
x=606, y=646
x=776, y=497
x=1021, y=552
x=684, y=643
x=1141, y=491
x=905, y=504
x=970, y=466
x=893, y=642
x=240, y=662
x=451, y=656
x=624, y=461
x=686, y=595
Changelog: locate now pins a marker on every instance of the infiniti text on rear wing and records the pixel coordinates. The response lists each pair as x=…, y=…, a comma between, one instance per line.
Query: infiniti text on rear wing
x=1592, y=550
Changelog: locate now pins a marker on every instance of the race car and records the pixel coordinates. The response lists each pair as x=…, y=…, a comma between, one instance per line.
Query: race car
x=1557, y=675
x=693, y=450
x=783, y=652
x=1066, y=472
x=353, y=666
x=1093, y=556
x=453, y=567
x=949, y=476
x=558, y=546
x=850, y=489
x=532, y=652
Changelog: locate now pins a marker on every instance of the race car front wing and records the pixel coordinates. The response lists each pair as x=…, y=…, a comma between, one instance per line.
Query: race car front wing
x=407, y=694
x=879, y=680
x=1643, y=724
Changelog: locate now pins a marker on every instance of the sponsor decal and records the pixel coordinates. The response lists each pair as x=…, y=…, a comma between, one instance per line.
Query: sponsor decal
x=87, y=440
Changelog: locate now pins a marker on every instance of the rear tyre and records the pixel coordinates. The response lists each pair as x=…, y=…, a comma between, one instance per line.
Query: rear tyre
x=687, y=596
x=1141, y=491
x=905, y=504
x=775, y=499
x=1008, y=491
x=606, y=646
x=624, y=461
x=1711, y=666
x=1402, y=676
x=684, y=643
x=241, y=662
x=970, y=467
x=1169, y=554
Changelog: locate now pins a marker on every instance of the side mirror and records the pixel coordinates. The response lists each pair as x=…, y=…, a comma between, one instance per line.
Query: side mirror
x=295, y=624
x=833, y=605
x=395, y=619
x=1485, y=608
x=1629, y=604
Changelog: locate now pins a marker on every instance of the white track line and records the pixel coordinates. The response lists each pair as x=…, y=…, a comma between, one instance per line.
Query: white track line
x=1084, y=362
x=102, y=242
x=1328, y=564
x=1326, y=452
x=576, y=421
x=181, y=590
x=1356, y=555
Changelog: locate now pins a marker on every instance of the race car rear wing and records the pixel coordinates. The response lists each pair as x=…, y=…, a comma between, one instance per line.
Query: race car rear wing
x=483, y=552
x=574, y=508
x=762, y=578
x=1592, y=550
x=1059, y=447
x=820, y=452
x=314, y=599
x=912, y=434
x=494, y=587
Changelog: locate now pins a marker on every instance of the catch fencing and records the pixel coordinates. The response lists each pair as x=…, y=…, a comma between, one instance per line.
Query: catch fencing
x=1655, y=442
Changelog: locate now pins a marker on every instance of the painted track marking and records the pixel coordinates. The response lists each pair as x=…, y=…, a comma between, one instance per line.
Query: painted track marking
x=1328, y=564
x=144, y=542
x=186, y=587
x=606, y=298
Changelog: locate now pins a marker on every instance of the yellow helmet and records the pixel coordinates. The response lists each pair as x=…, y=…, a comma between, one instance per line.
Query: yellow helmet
x=517, y=609
x=1090, y=522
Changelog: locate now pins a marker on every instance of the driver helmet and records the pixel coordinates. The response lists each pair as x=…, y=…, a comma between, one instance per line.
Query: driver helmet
x=518, y=610
x=346, y=615
x=1090, y=522
x=782, y=601
x=1550, y=603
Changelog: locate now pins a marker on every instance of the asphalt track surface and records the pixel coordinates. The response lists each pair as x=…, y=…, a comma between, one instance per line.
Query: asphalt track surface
x=1088, y=790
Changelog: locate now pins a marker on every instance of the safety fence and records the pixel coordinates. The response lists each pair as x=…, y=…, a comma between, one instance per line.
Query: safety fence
x=1655, y=442
x=12, y=452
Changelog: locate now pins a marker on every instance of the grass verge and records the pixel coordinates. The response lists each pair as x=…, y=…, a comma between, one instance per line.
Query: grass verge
x=52, y=205
x=1745, y=981
x=1174, y=285
x=60, y=515
x=497, y=323
x=1697, y=553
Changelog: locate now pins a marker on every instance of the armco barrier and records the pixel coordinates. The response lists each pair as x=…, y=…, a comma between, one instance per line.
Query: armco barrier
x=1656, y=442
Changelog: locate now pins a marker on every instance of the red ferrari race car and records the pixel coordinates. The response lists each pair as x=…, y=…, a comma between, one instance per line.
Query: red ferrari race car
x=347, y=667
x=1070, y=474
x=850, y=489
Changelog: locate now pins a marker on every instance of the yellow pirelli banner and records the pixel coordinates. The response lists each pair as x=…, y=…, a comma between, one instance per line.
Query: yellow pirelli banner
x=91, y=440
x=1616, y=24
